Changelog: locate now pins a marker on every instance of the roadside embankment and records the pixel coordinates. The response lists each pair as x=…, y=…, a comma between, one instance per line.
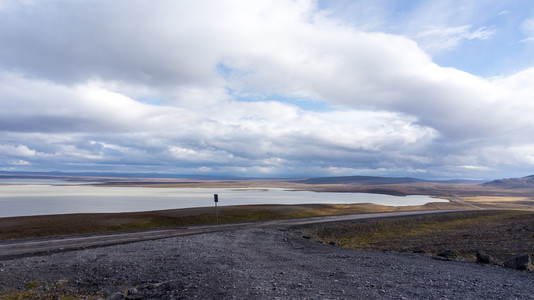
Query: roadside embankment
x=501, y=234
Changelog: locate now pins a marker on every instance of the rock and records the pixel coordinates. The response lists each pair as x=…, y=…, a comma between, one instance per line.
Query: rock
x=483, y=257
x=134, y=297
x=332, y=243
x=116, y=296
x=320, y=242
x=133, y=294
x=419, y=251
x=306, y=237
x=448, y=254
x=520, y=262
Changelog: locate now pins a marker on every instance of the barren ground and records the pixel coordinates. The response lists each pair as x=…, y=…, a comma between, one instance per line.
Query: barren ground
x=501, y=234
x=254, y=264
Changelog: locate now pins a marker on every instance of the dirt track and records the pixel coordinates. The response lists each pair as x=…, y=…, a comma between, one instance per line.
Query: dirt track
x=33, y=246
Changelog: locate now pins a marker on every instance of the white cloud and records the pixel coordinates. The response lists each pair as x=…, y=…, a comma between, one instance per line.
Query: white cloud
x=265, y=134
x=447, y=38
x=477, y=168
x=16, y=150
x=527, y=27
x=174, y=85
x=19, y=162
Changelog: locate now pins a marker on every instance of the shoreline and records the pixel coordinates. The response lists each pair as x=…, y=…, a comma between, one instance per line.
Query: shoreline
x=64, y=224
x=45, y=199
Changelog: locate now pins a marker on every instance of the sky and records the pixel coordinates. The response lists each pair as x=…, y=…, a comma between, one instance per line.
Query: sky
x=429, y=89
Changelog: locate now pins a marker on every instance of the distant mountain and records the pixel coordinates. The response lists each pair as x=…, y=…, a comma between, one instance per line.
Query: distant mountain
x=77, y=175
x=153, y=177
x=362, y=180
x=513, y=183
x=374, y=180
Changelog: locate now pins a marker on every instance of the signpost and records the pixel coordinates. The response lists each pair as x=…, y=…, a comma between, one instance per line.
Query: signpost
x=216, y=200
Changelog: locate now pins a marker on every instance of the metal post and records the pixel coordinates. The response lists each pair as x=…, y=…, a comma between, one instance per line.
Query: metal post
x=216, y=200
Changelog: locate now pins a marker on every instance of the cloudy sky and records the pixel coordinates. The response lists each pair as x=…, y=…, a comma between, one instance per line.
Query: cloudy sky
x=428, y=89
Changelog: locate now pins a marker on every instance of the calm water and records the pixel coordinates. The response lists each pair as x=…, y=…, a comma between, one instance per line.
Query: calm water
x=33, y=199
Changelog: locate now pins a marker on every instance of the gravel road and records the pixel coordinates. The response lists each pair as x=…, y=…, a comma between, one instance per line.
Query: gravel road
x=257, y=263
x=21, y=247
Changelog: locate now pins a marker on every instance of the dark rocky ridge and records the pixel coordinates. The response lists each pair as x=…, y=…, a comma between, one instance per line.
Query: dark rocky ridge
x=512, y=183
x=375, y=180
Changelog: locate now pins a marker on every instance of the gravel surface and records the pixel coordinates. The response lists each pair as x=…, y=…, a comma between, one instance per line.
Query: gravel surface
x=264, y=263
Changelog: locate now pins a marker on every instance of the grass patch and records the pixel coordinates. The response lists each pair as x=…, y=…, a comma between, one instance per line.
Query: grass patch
x=502, y=234
x=32, y=285
x=54, y=225
x=41, y=296
x=37, y=290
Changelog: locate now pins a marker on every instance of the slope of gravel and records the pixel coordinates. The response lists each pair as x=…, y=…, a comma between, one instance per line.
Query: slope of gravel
x=256, y=264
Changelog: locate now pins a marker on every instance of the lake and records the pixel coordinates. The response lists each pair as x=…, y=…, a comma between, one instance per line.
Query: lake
x=46, y=199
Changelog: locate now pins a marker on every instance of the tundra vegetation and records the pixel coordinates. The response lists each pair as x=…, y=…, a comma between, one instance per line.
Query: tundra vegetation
x=54, y=225
x=501, y=234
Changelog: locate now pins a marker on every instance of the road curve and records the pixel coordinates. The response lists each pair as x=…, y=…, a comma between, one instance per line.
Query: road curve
x=10, y=249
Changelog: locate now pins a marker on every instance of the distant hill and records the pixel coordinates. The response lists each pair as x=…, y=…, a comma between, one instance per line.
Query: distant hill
x=363, y=180
x=513, y=183
x=77, y=175
x=374, y=180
